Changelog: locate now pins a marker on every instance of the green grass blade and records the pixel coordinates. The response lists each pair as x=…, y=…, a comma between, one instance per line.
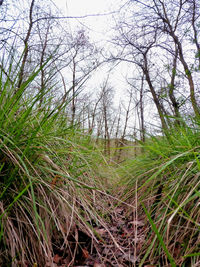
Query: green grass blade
x=164, y=167
x=173, y=264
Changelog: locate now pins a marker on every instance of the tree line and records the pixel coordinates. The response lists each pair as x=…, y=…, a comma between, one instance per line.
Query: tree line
x=157, y=39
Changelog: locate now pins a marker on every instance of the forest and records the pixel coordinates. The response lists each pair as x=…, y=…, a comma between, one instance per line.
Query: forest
x=100, y=139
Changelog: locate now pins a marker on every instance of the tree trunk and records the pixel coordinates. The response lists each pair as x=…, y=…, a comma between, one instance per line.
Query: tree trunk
x=26, y=49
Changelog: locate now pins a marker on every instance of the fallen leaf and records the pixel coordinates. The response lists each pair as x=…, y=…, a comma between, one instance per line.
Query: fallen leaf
x=85, y=253
x=57, y=258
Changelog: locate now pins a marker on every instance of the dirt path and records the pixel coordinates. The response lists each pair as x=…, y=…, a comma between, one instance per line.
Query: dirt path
x=119, y=243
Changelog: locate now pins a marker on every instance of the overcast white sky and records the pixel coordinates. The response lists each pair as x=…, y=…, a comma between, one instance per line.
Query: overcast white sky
x=83, y=7
x=99, y=26
x=100, y=31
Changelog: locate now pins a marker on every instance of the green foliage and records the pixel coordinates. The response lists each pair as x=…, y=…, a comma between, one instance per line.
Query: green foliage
x=48, y=173
x=197, y=55
x=51, y=174
x=172, y=262
x=167, y=175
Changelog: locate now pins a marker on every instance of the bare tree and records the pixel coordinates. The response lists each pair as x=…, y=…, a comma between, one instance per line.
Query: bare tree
x=172, y=26
x=127, y=108
x=105, y=110
x=139, y=93
x=26, y=44
x=84, y=61
x=151, y=32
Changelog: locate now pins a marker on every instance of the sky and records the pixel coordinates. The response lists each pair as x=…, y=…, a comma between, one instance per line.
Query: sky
x=100, y=31
x=83, y=7
x=99, y=26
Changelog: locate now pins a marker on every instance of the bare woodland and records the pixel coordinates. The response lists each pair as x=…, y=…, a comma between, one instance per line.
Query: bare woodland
x=160, y=43
x=43, y=58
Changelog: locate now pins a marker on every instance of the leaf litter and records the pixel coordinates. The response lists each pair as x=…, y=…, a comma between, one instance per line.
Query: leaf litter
x=118, y=243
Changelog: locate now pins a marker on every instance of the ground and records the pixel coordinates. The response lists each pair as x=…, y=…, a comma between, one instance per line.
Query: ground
x=119, y=243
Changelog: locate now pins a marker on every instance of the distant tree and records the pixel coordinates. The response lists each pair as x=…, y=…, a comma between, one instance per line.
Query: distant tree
x=138, y=98
x=106, y=103
x=126, y=107
x=84, y=60
x=154, y=36
x=35, y=33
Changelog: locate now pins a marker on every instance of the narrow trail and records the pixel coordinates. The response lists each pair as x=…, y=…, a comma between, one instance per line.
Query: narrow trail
x=119, y=242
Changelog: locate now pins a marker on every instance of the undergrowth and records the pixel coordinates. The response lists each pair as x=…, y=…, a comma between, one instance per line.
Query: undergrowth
x=49, y=175
x=55, y=183
x=165, y=182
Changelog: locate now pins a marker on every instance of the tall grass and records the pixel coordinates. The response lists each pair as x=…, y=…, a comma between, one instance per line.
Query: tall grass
x=52, y=183
x=168, y=179
x=48, y=175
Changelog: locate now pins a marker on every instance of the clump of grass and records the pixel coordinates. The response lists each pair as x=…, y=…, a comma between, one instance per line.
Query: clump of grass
x=167, y=175
x=47, y=177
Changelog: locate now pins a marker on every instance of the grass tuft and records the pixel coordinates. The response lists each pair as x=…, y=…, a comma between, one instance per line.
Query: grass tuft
x=167, y=175
x=49, y=171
